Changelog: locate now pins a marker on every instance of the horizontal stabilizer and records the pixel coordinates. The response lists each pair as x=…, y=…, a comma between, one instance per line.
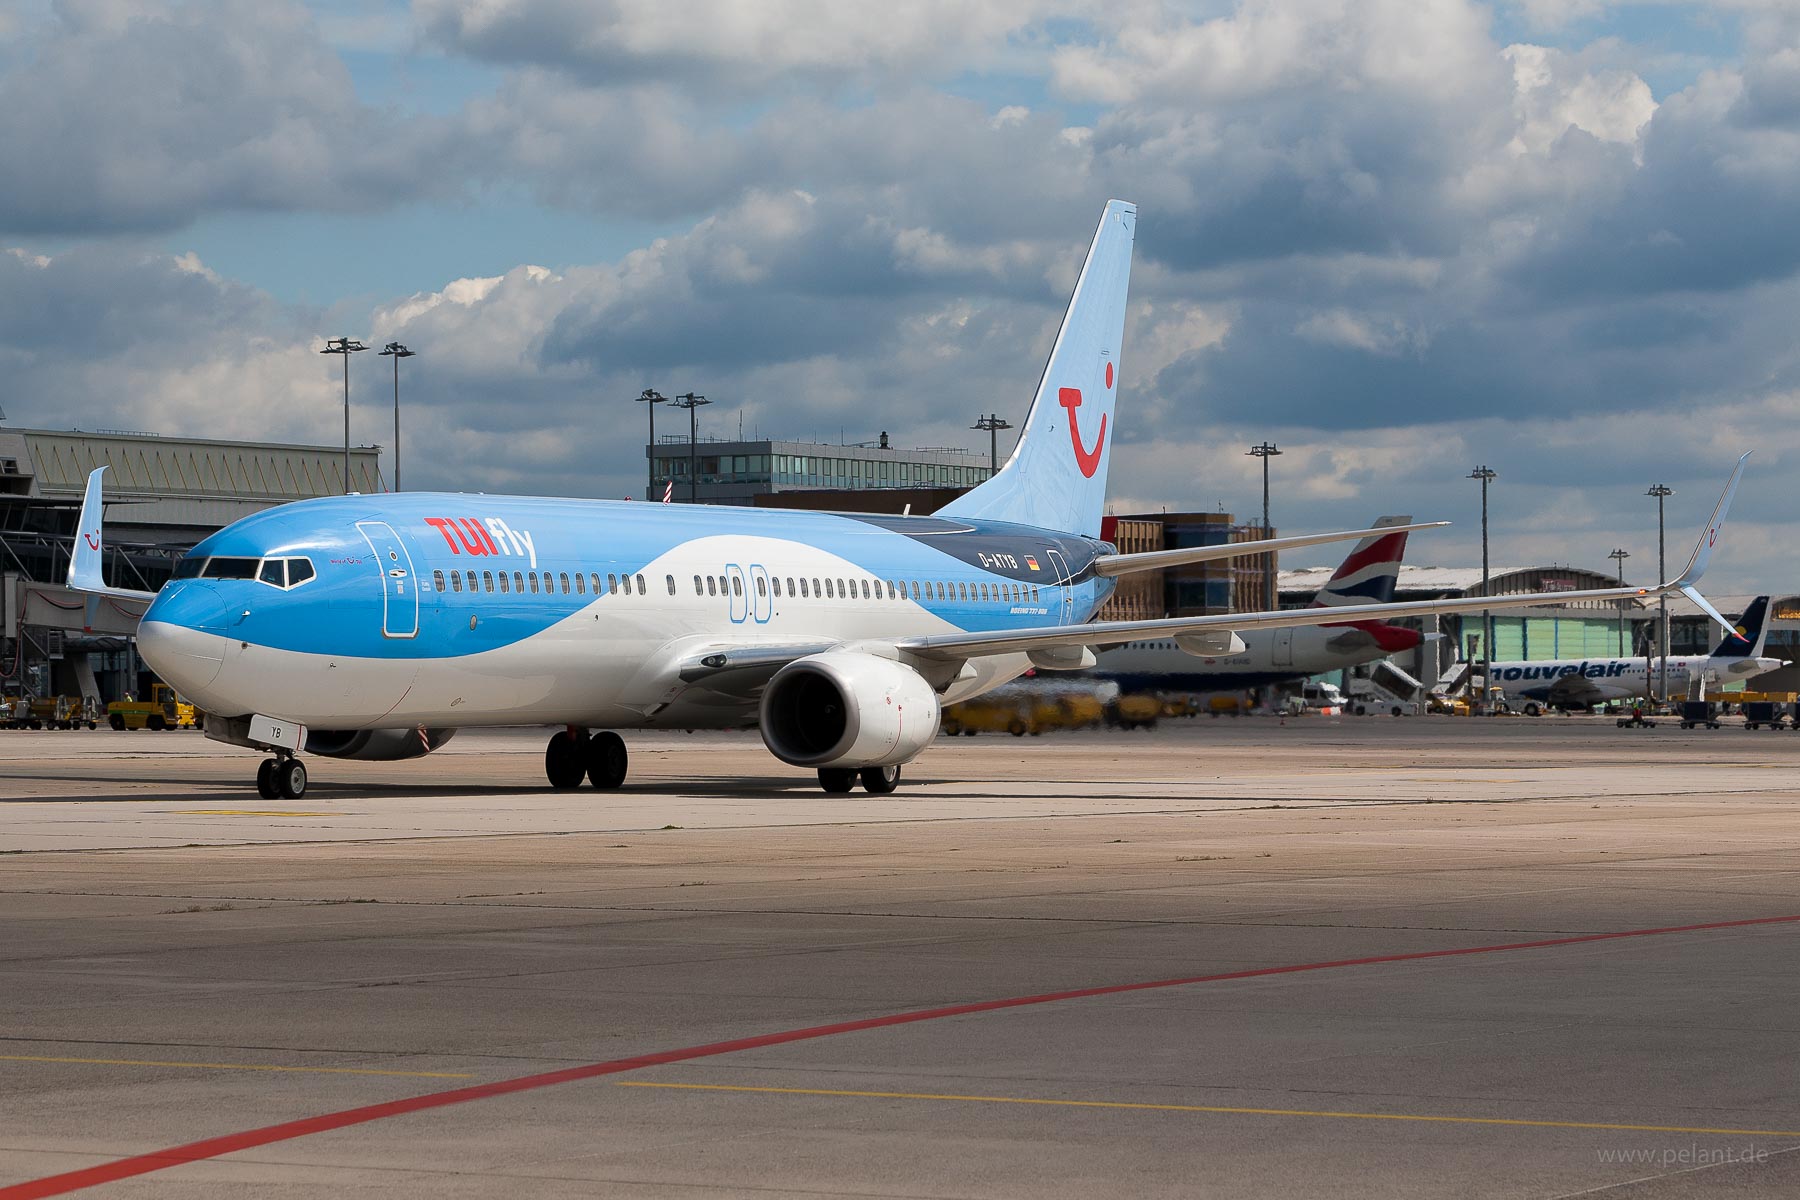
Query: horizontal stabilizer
x=1151, y=560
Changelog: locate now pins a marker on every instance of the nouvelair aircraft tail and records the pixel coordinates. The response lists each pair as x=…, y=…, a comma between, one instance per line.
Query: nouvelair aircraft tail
x=1746, y=641
x=1369, y=572
x=1056, y=477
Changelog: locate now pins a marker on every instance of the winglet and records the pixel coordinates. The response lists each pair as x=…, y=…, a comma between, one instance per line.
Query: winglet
x=84, y=565
x=1703, y=550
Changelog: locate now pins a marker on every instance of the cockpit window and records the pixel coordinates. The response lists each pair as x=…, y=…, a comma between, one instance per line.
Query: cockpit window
x=231, y=568
x=273, y=571
x=189, y=567
x=299, y=571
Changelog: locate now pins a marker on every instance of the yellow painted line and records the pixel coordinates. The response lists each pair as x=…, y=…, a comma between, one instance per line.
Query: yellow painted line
x=1214, y=1108
x=243, y=812
x=207, y=1066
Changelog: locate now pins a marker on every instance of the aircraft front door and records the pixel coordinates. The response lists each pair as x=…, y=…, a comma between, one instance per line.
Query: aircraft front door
x=399, y=590
x=1284, y=647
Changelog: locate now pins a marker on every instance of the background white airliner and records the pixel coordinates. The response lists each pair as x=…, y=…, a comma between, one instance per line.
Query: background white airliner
x=1537, y=684
x=1366, y=576
x=375, y=626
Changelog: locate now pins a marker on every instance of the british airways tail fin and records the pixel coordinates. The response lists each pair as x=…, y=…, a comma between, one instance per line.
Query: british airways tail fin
x=1752, y=632
x=1368, y=574
x=1056, y=477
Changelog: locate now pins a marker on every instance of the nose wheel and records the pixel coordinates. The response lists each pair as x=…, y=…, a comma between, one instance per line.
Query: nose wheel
x=281, y=778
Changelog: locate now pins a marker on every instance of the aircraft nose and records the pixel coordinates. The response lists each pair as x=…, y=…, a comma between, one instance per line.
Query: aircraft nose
x=182, y=636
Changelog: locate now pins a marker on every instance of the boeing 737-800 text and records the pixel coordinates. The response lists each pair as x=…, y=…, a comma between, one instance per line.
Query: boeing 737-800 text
x=375, y=626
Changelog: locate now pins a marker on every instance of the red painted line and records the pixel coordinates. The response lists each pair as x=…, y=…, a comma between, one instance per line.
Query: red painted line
x=143, y=1164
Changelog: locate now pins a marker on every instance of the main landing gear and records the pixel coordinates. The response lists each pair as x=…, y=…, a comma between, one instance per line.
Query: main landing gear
x=573, y=756
x=281, y=778
x=878, y=781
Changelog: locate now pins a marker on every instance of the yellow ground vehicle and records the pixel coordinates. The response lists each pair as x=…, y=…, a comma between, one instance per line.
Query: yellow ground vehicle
x=1135, y=712
x=164, y=710
x=1020, y=712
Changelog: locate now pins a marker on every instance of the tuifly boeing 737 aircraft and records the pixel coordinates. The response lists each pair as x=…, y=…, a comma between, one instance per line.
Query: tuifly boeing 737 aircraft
x=374, y=627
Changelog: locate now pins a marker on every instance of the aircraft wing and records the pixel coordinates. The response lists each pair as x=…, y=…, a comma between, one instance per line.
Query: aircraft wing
x=757, y=662
x=951, y=646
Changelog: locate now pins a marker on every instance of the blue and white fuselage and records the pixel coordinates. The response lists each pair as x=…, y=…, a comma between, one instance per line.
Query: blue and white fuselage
x=457, y=610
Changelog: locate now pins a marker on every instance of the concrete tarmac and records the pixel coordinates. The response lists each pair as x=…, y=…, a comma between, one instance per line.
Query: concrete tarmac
x=1346, y=957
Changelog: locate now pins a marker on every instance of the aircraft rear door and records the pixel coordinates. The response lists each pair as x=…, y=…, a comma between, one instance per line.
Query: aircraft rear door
x=1059, y=566
x=399, y=590
x=1284, y=647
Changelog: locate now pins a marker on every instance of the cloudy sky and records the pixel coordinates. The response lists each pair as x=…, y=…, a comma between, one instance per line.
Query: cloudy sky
x=1397, y=237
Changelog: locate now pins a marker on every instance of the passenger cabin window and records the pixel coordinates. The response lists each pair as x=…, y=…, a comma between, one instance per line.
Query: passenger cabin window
x=790, y=583
x=532, y=576
x=456, y=581
x=612, y=582
x=671, y=579
x=562, y=580
x=698, y=590
x=640, y=583
x=580, y=584
x=712, y=586
x=487, y=581
x=594, y=578
x=503, y=586
x=519, y=583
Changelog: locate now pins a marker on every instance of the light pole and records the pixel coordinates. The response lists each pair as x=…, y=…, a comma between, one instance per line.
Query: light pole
x=1266, y=451
x=692, y=403
x=650, y=399
x=1662, y=492
x=397, y=352
x=1486, y=475
x=1619, y=556
x=346, y=347
x=992, y=424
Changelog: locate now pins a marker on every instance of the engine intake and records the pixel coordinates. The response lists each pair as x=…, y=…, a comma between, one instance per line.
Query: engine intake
x=846, y=709
x=375, y=745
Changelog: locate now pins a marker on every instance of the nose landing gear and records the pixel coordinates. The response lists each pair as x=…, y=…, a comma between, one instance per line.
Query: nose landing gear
x=281, y=778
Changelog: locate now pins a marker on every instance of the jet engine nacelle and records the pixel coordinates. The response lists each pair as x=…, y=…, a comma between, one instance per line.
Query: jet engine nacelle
x=375, y=745
x=847, y=709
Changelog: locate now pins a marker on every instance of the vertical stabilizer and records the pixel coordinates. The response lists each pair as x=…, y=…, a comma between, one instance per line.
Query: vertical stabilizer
x=1369, y=572
x=1752, y=632
x=1056, y=477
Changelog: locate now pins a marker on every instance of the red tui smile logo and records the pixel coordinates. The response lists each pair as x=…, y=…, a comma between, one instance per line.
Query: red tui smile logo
x=92, y=539
x=1087, y=460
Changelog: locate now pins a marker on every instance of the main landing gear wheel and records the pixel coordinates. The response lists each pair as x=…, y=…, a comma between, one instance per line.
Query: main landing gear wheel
x=265, y=780
x=607, y=760
x=565, y=760
x=880, y=781
x=290, y=778
x=837, y=780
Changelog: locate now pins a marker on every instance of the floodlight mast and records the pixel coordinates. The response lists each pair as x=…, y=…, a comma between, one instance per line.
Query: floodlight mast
x=692, y=403
x=346, y=347
x=397, y=352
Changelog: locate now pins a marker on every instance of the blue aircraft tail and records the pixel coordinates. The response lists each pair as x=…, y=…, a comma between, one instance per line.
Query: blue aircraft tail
x=1751, y=633
x=1056, y=477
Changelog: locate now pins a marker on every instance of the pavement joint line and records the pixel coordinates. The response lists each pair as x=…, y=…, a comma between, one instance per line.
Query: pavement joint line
x=212, y=1066
x=135, y=1165
x=1145, y=1106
